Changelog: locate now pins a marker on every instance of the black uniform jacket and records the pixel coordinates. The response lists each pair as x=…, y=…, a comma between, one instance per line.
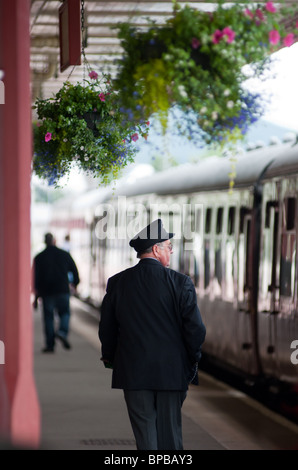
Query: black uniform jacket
x=51, y=268
x=151, y=329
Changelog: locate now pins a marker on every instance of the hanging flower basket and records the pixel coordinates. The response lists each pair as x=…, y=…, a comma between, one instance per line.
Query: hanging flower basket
x=193, y=66
x=83, y=125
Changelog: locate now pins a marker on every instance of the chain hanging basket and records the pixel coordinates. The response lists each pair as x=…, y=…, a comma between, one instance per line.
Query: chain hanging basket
x=83, y=125
x=194, y=64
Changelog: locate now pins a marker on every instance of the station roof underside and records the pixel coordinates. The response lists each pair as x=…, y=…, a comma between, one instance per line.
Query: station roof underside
x=102, y=46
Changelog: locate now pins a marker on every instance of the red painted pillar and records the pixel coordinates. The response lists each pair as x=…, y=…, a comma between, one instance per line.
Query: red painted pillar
x=19, y=406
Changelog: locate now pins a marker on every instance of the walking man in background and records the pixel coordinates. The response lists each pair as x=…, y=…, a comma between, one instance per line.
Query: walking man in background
x=151, y=333
x=51, y=282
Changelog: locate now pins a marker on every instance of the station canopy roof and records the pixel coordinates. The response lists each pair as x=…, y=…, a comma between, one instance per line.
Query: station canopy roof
x=102, y=46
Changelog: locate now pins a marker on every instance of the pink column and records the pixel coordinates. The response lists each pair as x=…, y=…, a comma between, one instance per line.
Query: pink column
x=19, y=406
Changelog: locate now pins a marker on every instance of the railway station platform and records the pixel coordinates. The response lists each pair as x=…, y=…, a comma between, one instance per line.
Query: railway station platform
x=80, y=411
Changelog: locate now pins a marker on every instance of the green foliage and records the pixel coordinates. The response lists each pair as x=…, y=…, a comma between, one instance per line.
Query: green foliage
x=194, y=62
x=83, y=125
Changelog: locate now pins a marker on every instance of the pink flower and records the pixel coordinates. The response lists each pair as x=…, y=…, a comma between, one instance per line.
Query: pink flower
x=248, y=13
x=48, y=137
x=93, y=75
x=270, y=7
x=288, y=40
x=135, y=137
x=229, y=33
x=260, y=14
x=274, y=36
x=102, y=97
x=195, y=43
x=147, y=123
x=216, y=37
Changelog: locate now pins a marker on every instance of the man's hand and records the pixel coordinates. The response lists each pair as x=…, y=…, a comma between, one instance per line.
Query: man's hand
x=73, y=289
x=107, y=363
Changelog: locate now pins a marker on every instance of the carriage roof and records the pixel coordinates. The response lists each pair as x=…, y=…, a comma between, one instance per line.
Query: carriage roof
x=213, y=172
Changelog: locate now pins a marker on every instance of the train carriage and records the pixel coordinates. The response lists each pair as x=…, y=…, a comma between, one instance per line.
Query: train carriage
x=239, y=249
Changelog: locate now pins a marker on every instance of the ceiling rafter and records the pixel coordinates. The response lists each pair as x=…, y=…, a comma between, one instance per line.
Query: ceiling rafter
x=102, y=47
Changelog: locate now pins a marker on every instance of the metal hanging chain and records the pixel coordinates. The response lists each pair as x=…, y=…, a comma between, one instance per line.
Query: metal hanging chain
x=82, y=35
x=83, y=27
x=39, y=11
x=84, y=43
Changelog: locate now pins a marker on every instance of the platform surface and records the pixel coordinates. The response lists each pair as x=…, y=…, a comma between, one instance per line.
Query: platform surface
x=80, y=411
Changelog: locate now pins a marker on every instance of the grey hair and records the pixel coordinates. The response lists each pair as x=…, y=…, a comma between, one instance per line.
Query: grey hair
x=149, y=250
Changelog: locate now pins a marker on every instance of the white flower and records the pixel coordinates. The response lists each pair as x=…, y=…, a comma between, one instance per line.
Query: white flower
x=230, y=104
x=182, y=91
x=86, y=159
x=203, y=110
x=82, y=147
x=214, y=115
x=226, y=92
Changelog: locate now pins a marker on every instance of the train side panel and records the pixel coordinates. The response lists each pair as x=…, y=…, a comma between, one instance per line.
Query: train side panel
x=277, y=309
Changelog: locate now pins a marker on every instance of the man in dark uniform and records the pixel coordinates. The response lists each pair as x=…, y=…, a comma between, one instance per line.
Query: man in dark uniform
x=151, y=333
x=51, y=282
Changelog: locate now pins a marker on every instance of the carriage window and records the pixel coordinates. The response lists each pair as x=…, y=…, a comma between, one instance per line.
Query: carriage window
x=231, y=220
x=207, y=248
x=287, y=264
x=199, y=220
x=208, y=220
x=219, y=220
x=269, y=205
x=289, y=212
x=171, y=221
x=288, y=248
x=206, y=263
x=218, y=262
x=218, y=250
x=243, y=212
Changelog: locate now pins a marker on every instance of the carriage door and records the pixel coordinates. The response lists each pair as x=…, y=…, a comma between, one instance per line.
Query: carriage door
x=244, y=332
x=286, y=318
x=268, y=299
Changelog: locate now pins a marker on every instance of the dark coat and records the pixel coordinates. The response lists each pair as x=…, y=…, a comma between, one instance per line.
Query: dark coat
x=51, y=268
x=151, y=329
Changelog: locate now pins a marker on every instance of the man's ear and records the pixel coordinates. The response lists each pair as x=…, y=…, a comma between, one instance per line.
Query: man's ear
x=154, y=250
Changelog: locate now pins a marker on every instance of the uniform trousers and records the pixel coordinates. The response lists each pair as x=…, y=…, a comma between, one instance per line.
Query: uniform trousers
x=155, y=418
